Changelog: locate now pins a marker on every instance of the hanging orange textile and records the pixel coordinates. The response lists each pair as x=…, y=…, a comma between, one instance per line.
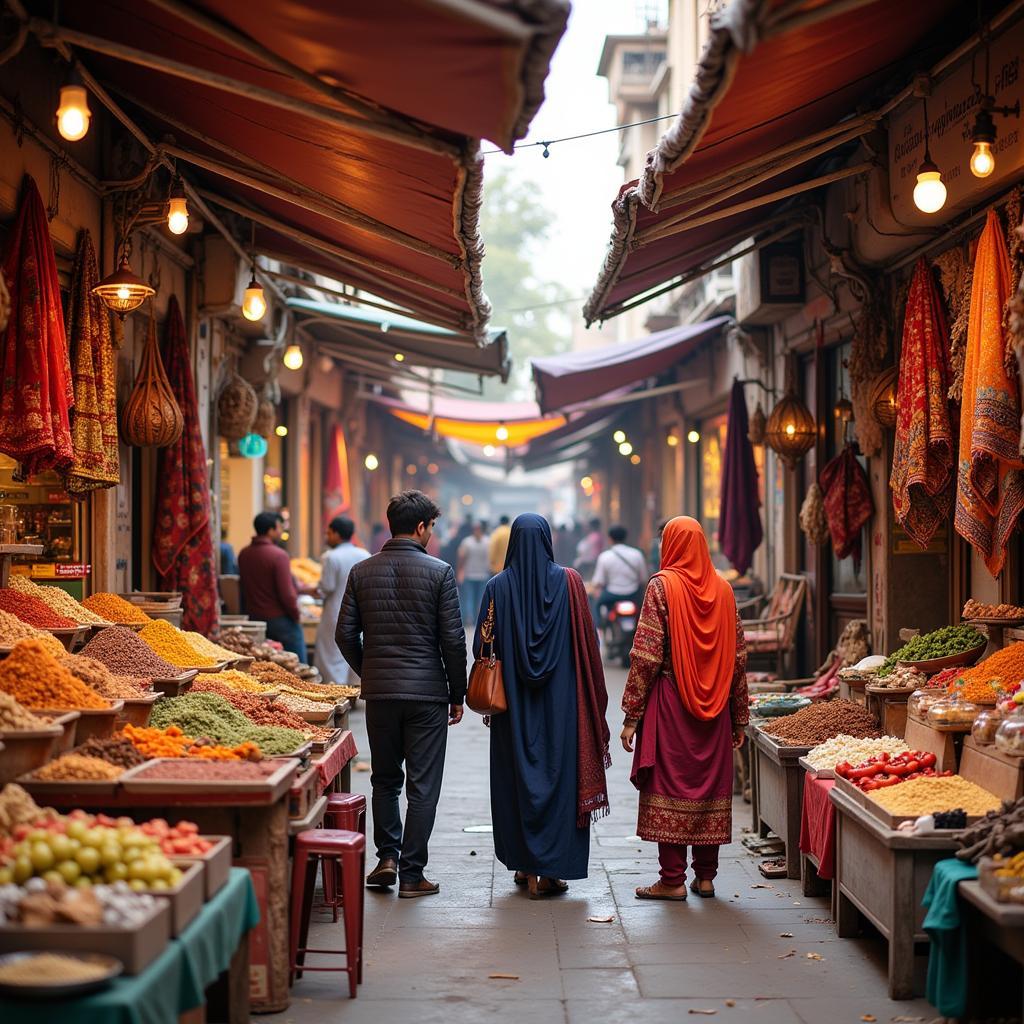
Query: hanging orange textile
x=990, y=484
x=701, y=619
x=337, y=498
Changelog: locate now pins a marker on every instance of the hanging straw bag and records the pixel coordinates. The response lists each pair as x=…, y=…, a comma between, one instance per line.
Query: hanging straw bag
x=151, y=417
x=486, y=693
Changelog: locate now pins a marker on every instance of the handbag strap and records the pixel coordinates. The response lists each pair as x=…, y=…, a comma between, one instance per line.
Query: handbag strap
x=487, y=630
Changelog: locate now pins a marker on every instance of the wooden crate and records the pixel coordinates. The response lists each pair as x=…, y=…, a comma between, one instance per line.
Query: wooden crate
x=944, y=745
x=993, y=770
x=780, y=783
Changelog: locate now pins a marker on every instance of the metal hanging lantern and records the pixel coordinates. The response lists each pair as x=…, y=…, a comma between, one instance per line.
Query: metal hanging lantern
x=791, y=430
x=883, y=402
x=123, y=290
x=757, y=426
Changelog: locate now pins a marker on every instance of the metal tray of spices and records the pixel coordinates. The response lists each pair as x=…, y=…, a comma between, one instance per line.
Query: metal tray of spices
x=320, y=746
x=68, y=721
x=271, y=787
x=217, y=667
x=93, y=723
x=325, y=717
x=175, y=686
x=66, y=791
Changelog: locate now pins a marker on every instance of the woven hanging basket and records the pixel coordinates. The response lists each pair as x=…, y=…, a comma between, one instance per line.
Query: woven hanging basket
x=791, y=430
x=151, y=417
x=5, y=303
x=756, y=427
x=236, y=408
x=883, y=399
x=266, y=417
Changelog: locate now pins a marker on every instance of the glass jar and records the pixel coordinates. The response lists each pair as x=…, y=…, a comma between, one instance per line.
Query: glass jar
x=986, y=725
x=921, y=700
x=1010, y=734
x=952, y=712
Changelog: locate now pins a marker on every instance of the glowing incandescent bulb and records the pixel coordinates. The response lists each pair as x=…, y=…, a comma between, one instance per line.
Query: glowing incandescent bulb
x=693, y=436
x=73, y=114
x=619, y=436
x=254, y=302
x=983, y=163
x=501, y=433
x=371, y=462
x=293, y=357
x=177, y=215
x=929, y=192
x=587, y=482
x=281, y=430
x=625, y=448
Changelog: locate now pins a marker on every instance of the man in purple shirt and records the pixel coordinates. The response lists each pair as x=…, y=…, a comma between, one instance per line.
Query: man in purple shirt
x=268, y=590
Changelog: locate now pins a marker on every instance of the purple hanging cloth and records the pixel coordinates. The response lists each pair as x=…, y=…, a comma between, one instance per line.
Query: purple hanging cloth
x=739, y=523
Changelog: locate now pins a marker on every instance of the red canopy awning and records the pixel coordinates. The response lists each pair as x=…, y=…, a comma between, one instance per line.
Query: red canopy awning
x=567, y=380
x=779, y=86
x=347, y=132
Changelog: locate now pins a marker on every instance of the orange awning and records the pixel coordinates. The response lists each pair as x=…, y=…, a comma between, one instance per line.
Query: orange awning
x=502, y=424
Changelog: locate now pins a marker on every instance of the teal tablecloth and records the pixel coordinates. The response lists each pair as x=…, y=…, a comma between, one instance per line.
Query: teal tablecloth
x=947, y=956
x=175, y=982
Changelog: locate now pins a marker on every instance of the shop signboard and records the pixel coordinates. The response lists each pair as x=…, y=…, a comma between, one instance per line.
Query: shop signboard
x=952, y=108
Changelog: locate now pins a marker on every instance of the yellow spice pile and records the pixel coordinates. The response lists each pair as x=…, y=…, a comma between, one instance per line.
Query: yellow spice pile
x=208, y=648
x=927, y=795
x=242, y=681
x=172, y=645
x=115, y=608
x=58, y=600
x=13, y=630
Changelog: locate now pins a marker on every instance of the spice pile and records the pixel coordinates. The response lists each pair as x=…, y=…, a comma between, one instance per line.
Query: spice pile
x=98, y=677
x=976, y=610
x=15, y=718
x=206, y=714
x=50, y=968
x=34, y=678
x=258, y=710
x=901, y=678
x=172, y=742
x=169, y=643
x=940, y=643
x=114, y=608
x=12, y=629
x=58, y=600
x=18, y=808
x=221, y=771
x=208, y=648
x=853, y=750
x=77, y=768
x=124, y=653
x=237, y=640
x=115, y=750
x=926, y=795
x=33, y=611
x=819, y=722
x=999, y=833
x=999, y=671
x=241, y=682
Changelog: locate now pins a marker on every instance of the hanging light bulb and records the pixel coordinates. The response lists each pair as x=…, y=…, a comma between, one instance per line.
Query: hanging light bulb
x=586, y=482
x=672, y=440
x=635, y=459
x=619, y=436
x=625, y=448
x=983, y=136
x=254, y=302
x=177, y=209
x=371, y=462
x=399, y=357
x=281, y=430
x=489, y=450
x=693, y=436
x=293, y=357
x=929, y=192
x=502, y=432
x=123, y=291
x=73, y=114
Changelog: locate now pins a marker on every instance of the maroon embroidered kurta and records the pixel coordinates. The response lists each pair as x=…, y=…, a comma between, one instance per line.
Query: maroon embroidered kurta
x=682, y=766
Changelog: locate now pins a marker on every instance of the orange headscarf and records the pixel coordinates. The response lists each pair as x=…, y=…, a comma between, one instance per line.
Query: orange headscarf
x=701, y=619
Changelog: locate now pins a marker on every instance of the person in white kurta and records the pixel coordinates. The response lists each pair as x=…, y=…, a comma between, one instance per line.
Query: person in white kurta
x=336, y=563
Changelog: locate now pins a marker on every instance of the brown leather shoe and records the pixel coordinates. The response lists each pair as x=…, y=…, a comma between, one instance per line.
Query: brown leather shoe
x=384, y=875
x=412, y=890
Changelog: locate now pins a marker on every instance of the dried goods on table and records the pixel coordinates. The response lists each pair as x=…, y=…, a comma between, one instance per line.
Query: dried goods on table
x=206, y=714
x=18, y=808
x=999, y=832
x=171, y=741
x=116, y=750
x=901, y=678
x=12, y=629
x=258, y=710
x=58, y=600
x=40, y=903
x=208, y=648
x=115, y=608
x=939, y=643
x=36, y=679
x=242, y=682
x=51, y=968
x=32, y=610
x=124, y=652
x=15, y=718
x=927, y=795
x=98, y=677
x=977, y=610
x=819, y=722
x=884, y=769
x=219, y=771
x=1000, y=671
x=170, y=643
x=853, y=749
x=78, y=768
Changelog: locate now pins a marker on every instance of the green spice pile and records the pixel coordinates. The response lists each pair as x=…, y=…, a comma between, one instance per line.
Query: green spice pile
x=940, y=643
x=208, y=715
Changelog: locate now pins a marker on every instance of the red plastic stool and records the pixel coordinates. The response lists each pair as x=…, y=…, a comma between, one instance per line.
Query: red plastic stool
x=344, y=811
x=346, y=850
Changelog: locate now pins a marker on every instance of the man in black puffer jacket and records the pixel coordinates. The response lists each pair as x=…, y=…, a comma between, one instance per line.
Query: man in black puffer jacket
x=401, y=629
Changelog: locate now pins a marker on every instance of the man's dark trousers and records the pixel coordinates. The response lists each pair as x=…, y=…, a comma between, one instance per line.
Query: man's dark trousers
x=414, y=732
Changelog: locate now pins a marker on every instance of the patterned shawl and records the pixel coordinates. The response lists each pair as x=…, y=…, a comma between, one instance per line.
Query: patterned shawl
x=182, y=543
x=990, y=485
x=922, y=461
x=94, y=424
x=35, y=375
x=848, y=504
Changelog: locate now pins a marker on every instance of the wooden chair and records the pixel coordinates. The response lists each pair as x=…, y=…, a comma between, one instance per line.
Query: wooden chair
x=774, y=635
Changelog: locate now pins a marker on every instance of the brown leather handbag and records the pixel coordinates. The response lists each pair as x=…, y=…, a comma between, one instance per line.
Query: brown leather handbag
x=486, y=693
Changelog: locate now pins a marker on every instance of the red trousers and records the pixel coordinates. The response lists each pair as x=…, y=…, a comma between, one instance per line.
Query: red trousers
x=672, y=858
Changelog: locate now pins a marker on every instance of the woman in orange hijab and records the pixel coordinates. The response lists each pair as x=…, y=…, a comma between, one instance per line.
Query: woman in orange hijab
x=686, y=703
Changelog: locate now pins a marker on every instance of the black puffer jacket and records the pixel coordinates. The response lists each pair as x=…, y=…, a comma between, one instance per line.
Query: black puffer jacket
x=400, y=626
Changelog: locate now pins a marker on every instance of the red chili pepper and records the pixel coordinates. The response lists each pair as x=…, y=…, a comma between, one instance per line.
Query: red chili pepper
x=928, y=759
x=868, y=785
x=946, y=774
x=865, y=771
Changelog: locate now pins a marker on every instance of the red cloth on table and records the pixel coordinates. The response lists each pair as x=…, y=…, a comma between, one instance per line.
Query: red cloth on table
x=818, y=824
x=333, y=760
x=36, y=392
x=182, y=548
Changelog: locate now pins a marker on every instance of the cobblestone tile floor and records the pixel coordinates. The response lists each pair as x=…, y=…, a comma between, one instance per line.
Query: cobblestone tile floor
x=732, y=958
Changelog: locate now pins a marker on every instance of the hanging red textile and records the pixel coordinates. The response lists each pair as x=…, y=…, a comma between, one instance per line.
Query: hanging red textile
x=922, y=460
x=848, y=504
x=36, y=393
x=182, y=542
x=337, y=490
x=94, y=422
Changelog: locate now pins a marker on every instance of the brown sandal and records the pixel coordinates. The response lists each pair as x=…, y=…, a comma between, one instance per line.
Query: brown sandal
x=520, y=878
x=542, y=888
x=646, y=892
x=704, y=894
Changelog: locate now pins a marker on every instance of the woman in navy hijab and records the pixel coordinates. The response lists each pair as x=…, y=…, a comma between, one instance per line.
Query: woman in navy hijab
x=549, y=751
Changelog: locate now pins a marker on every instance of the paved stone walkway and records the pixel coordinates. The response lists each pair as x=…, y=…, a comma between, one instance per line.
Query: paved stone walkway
x=429, y=960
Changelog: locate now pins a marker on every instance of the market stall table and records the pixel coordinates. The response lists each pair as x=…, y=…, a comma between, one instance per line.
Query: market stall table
x=991, y=923
x=882, y=873
x=207, y=964
x=780, y=782
x=817, y=835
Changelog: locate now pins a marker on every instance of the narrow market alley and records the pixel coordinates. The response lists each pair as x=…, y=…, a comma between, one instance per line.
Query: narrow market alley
x=759, y=952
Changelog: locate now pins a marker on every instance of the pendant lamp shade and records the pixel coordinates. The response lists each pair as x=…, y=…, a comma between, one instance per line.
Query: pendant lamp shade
x=123, y=290
x=791, y=430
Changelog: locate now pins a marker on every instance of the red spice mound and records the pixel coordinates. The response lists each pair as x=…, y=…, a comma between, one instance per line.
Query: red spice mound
x=240, y=771
x=32, y=610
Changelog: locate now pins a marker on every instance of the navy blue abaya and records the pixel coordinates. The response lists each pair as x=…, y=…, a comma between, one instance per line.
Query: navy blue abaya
x=533, y=744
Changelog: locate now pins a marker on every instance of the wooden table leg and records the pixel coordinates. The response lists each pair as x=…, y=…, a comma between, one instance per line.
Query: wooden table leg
x=792, y=837
x=847, y=916
x=227, y=999
x=901, y=934
x=810, y=882
x=755, y=816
